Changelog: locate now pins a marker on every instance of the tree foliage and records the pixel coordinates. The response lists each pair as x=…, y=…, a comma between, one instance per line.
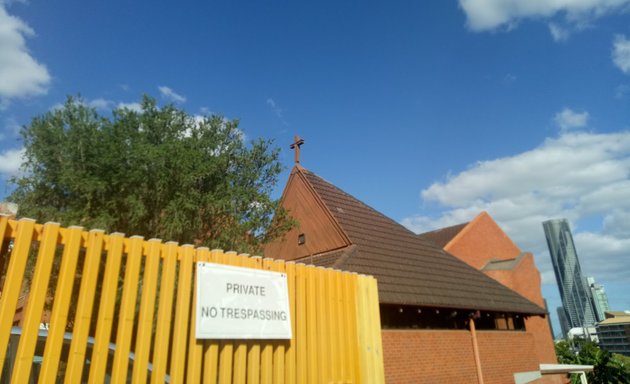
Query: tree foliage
x=608, y=368
x=158, y=172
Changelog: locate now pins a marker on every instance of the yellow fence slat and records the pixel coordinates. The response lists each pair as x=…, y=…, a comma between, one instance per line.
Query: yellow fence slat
x=13, y=282
x=323, y=334
x=312, y=327
x=195, y=347
x=100, y=353
x=35, y=307
x=211, y=347
x=375, y=330
x=279, y=347
x=300, y=324
x=253, y=352
x=369, y=337
x=240, y=351
x=164, y=317
x=362, y=330
x=350, y=320
x=291, y=349
x=61, y=303
x=333, y=326
x=226, y=348
x=147, y=309
x=182, y=315
x=342, y=347
x=83, y=316
x=127, y=310
x=266, y=353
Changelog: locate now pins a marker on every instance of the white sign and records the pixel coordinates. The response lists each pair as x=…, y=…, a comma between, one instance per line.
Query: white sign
x=241, y=303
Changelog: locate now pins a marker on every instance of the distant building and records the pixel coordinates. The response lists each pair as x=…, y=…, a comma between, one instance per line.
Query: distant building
x=585, y=333
x=600, y=299
x=614, y=332
x=564, y=322
x=574, y=292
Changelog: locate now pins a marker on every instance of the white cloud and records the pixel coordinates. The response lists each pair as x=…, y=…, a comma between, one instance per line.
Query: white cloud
x=10, y=161
x=490, y=14
x=277, y=110
x=100, y=104
x=569, y=119
x=621, y=53
x=622, y=90
x=169, y=94
x=584, y=177
x=11, y=128
x=558, y=32
x=20, y=74
x=136, y=107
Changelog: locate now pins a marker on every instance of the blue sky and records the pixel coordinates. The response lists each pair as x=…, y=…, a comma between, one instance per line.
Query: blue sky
x=428, y=111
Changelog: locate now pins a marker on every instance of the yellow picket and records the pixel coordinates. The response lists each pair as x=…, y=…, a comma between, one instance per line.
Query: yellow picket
x=195, y=347
x=266, y=353
x=13, y=281
x=299, y=330
x=290, y=352
x=147, y=308
x=240, y=351
x=83, y=316
x=35, y=307
x=100, y=353
x=72, y=238
x=182, y=315
x=127, y=309
x=164, y=318
x=253, y=352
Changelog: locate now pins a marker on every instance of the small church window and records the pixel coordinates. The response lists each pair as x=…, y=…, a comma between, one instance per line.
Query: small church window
x=301, y=239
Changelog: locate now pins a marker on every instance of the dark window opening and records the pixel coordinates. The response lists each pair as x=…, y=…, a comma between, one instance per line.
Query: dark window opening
x=413, y=317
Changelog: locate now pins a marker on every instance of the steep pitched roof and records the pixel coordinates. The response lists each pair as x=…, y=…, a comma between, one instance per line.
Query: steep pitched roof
x=441, y=237
x=409, y=269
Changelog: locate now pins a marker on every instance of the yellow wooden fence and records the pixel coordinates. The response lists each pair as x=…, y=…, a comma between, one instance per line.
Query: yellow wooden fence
x=122, y=309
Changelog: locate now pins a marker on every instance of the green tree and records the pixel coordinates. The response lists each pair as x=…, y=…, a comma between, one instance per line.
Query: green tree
x=608, y=368
x=159, y=172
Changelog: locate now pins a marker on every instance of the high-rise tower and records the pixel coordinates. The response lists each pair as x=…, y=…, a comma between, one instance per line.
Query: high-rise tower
x=574, y=291
x=600, y=299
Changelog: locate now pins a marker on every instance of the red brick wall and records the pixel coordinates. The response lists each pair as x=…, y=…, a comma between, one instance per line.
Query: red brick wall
x=480, y=241
x=505, y=353
x=525, y=279
x=447, y=356
x=428, y=357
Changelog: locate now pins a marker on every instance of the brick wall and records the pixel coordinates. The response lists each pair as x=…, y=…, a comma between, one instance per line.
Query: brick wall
x=480, y=241
x=447, y=356
x=525, y=279
x=428, y=357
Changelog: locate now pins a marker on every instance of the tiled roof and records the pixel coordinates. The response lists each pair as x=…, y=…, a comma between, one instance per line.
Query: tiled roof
x=409, y=269
x=443, y=236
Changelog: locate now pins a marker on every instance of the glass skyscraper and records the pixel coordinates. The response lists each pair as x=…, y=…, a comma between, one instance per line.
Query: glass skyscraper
x=600, y=299
x=574, y=291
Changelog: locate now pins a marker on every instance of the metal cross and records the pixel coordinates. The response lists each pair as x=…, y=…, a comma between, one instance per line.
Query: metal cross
x=296, y=147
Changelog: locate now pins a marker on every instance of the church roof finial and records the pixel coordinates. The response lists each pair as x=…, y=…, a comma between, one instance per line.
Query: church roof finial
x=296, y=147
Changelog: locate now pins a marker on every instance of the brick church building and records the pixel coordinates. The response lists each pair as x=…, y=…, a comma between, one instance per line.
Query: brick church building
x=458, y=306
